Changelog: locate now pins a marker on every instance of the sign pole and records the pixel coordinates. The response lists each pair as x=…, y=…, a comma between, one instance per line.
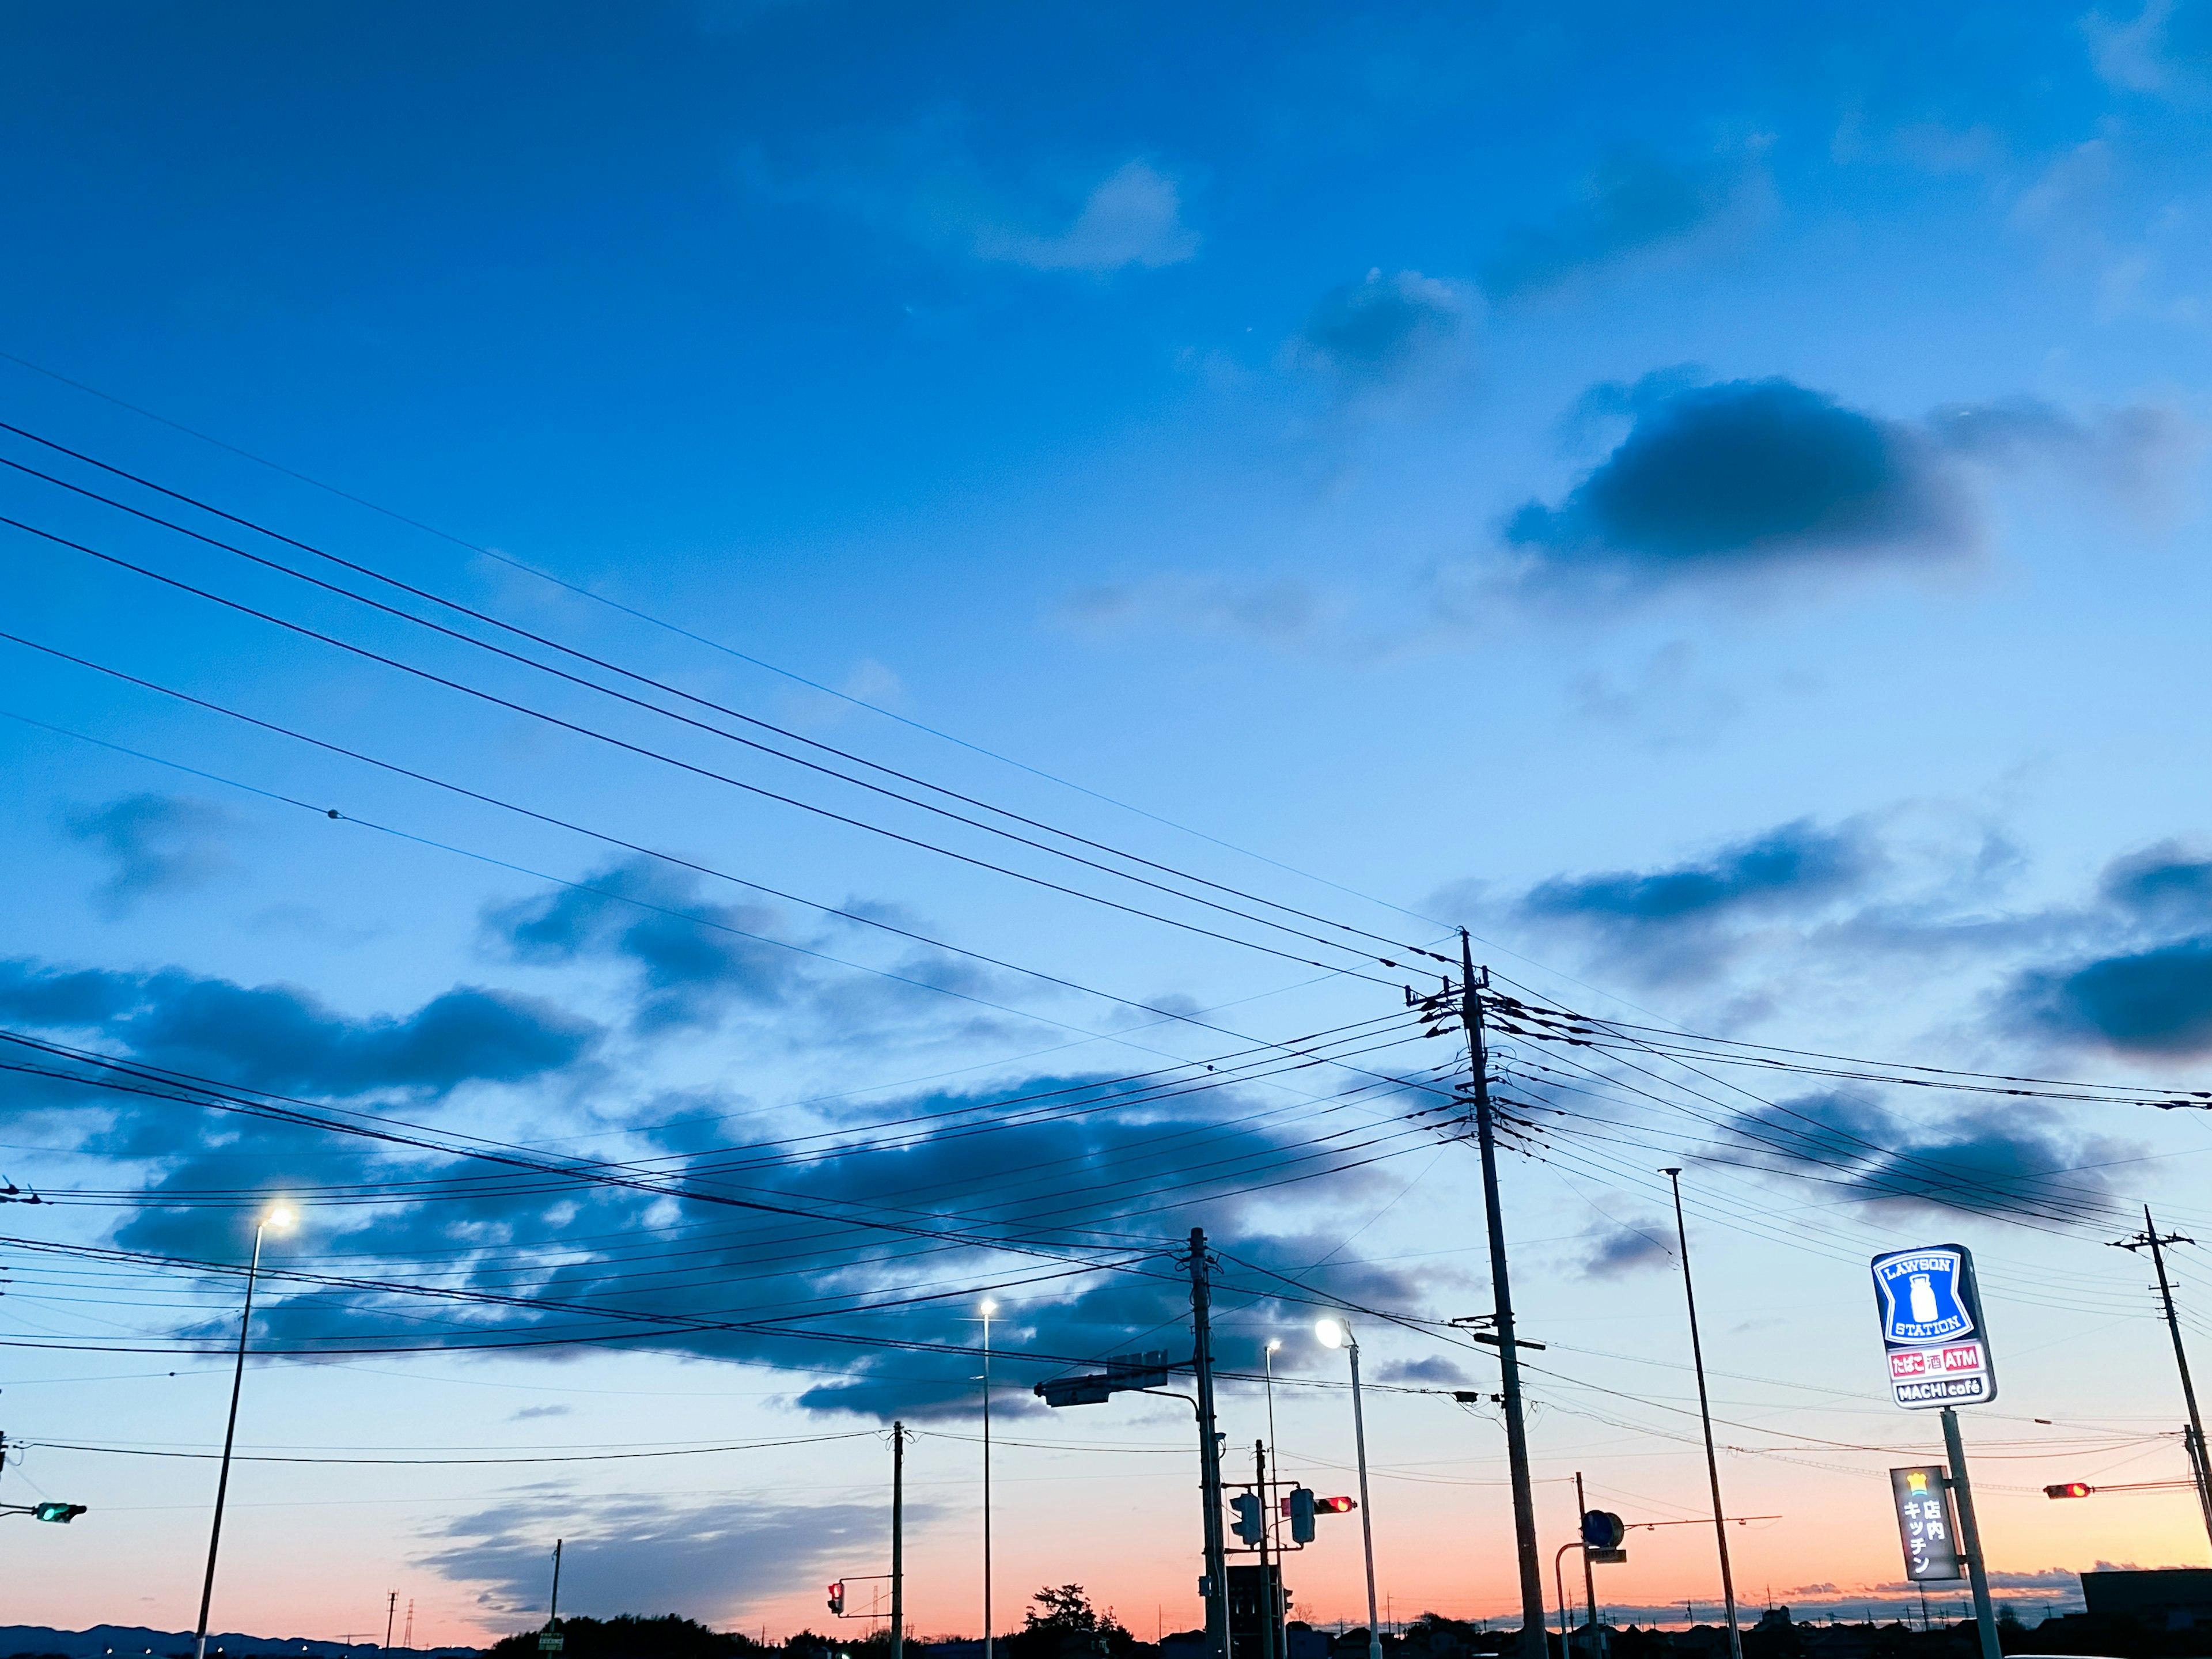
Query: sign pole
x=1970, y=1537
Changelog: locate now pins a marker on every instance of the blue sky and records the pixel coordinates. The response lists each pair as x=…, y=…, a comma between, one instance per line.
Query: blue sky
x=1714, y=508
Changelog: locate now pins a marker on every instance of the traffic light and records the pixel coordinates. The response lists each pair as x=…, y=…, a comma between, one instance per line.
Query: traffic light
x=838, y=1598
x=64, y=1513
x=2068, y=1489
x=1302, y=1506
x=1249, y=1526
x=1602, y=1529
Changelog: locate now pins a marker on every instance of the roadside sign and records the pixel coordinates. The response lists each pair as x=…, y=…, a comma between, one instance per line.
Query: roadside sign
x=1931, y=1328
x=1608, y=1557
x=550, y=1642
x=1923, y=1495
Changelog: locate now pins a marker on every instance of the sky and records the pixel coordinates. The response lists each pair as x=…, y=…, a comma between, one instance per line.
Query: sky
x=831, y=633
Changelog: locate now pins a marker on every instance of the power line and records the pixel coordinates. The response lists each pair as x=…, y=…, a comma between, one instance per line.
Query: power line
x=596, y=598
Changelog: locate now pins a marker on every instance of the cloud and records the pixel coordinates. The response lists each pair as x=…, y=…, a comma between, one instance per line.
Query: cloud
x=2168, y=881
x=1134, y=217
x=1747, y=474
x=153, y=844
x=1630, y=203
x=922, y=181
x=1736, y=479
x=1624, y=1249
x=1277, y=611
x=676, y=1276
x=284, y=1038
x=694, y=960
x=622, y=1553
x=1435, y=1371
x=1379, y=330
x=2166, y=47
x=2132, y=454
x=2149, y=1004
x=1999, y=1160
x=1667, y=923
x=531, y=1413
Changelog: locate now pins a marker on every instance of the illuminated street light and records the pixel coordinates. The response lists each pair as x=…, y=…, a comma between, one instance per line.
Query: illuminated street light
x=1336, y=1334
x=278, y=1218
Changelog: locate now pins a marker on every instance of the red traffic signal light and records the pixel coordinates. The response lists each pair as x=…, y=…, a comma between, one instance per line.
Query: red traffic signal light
x=838, y=1598
x=2068, y=1489
x=1333, y=1506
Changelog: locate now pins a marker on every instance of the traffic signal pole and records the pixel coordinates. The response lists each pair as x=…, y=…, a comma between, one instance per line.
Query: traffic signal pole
x=1534, y=1644
x=1270, y=1603
x=1214, y=1587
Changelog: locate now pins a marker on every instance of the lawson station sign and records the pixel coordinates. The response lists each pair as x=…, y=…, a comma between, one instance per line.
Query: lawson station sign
x=1931, y=1328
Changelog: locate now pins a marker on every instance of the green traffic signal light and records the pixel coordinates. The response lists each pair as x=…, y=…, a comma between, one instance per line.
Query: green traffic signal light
x=62, y=1512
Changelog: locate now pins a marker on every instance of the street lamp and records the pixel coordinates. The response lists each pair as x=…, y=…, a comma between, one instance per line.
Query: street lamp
x=989, y=1308
x=280, y=1217
x=1336, y=1334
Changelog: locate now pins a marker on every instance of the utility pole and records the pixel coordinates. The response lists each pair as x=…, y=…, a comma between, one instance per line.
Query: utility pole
x=2199, y=1469
x=1270, y=1609
x=390, y=1611
x=1589, y=1573
x=1214, y=1587
x=550, y=1640
x=898, y=1539
x=1534, y=1644
x=1705, y=1415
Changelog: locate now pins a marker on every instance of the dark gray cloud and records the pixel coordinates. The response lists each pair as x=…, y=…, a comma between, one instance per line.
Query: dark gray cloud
x=1436, y=1371
x=1684, y=921
x=1748, y=473
x=1377, y=329
x=2139, y=983
x=1740, y=476
x=2156, y=1003
x=1787, y=867
x=2166, y=882
x=1624, y=1249
x=620, y=1266
x=1630, y=203
x=627, y=1554
x=692, y=958
x=2002, y=1160
x=697, y=964
x=153, y=844
x=284, y=1038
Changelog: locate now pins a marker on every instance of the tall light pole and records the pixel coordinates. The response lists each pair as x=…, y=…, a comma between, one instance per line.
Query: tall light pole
x=1336, y=1334
x=989, y=1308
x=1705, y=1414
x=1273, y=1512
x=280, y=1217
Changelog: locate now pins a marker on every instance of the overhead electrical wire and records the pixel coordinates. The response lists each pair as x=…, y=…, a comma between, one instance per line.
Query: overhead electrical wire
x=662, y=687
x=677, y=762
x=859, y=918
x=596, y=598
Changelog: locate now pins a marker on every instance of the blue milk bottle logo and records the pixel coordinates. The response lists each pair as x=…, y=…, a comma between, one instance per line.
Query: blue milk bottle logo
x=1920, y=1292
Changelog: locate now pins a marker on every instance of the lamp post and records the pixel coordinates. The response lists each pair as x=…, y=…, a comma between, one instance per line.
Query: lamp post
x=1705, y=1414
x=280, y=1217
x=989, y=1308
x=1336, y=1334
x=1267, y=1359
x=1271, y=1512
